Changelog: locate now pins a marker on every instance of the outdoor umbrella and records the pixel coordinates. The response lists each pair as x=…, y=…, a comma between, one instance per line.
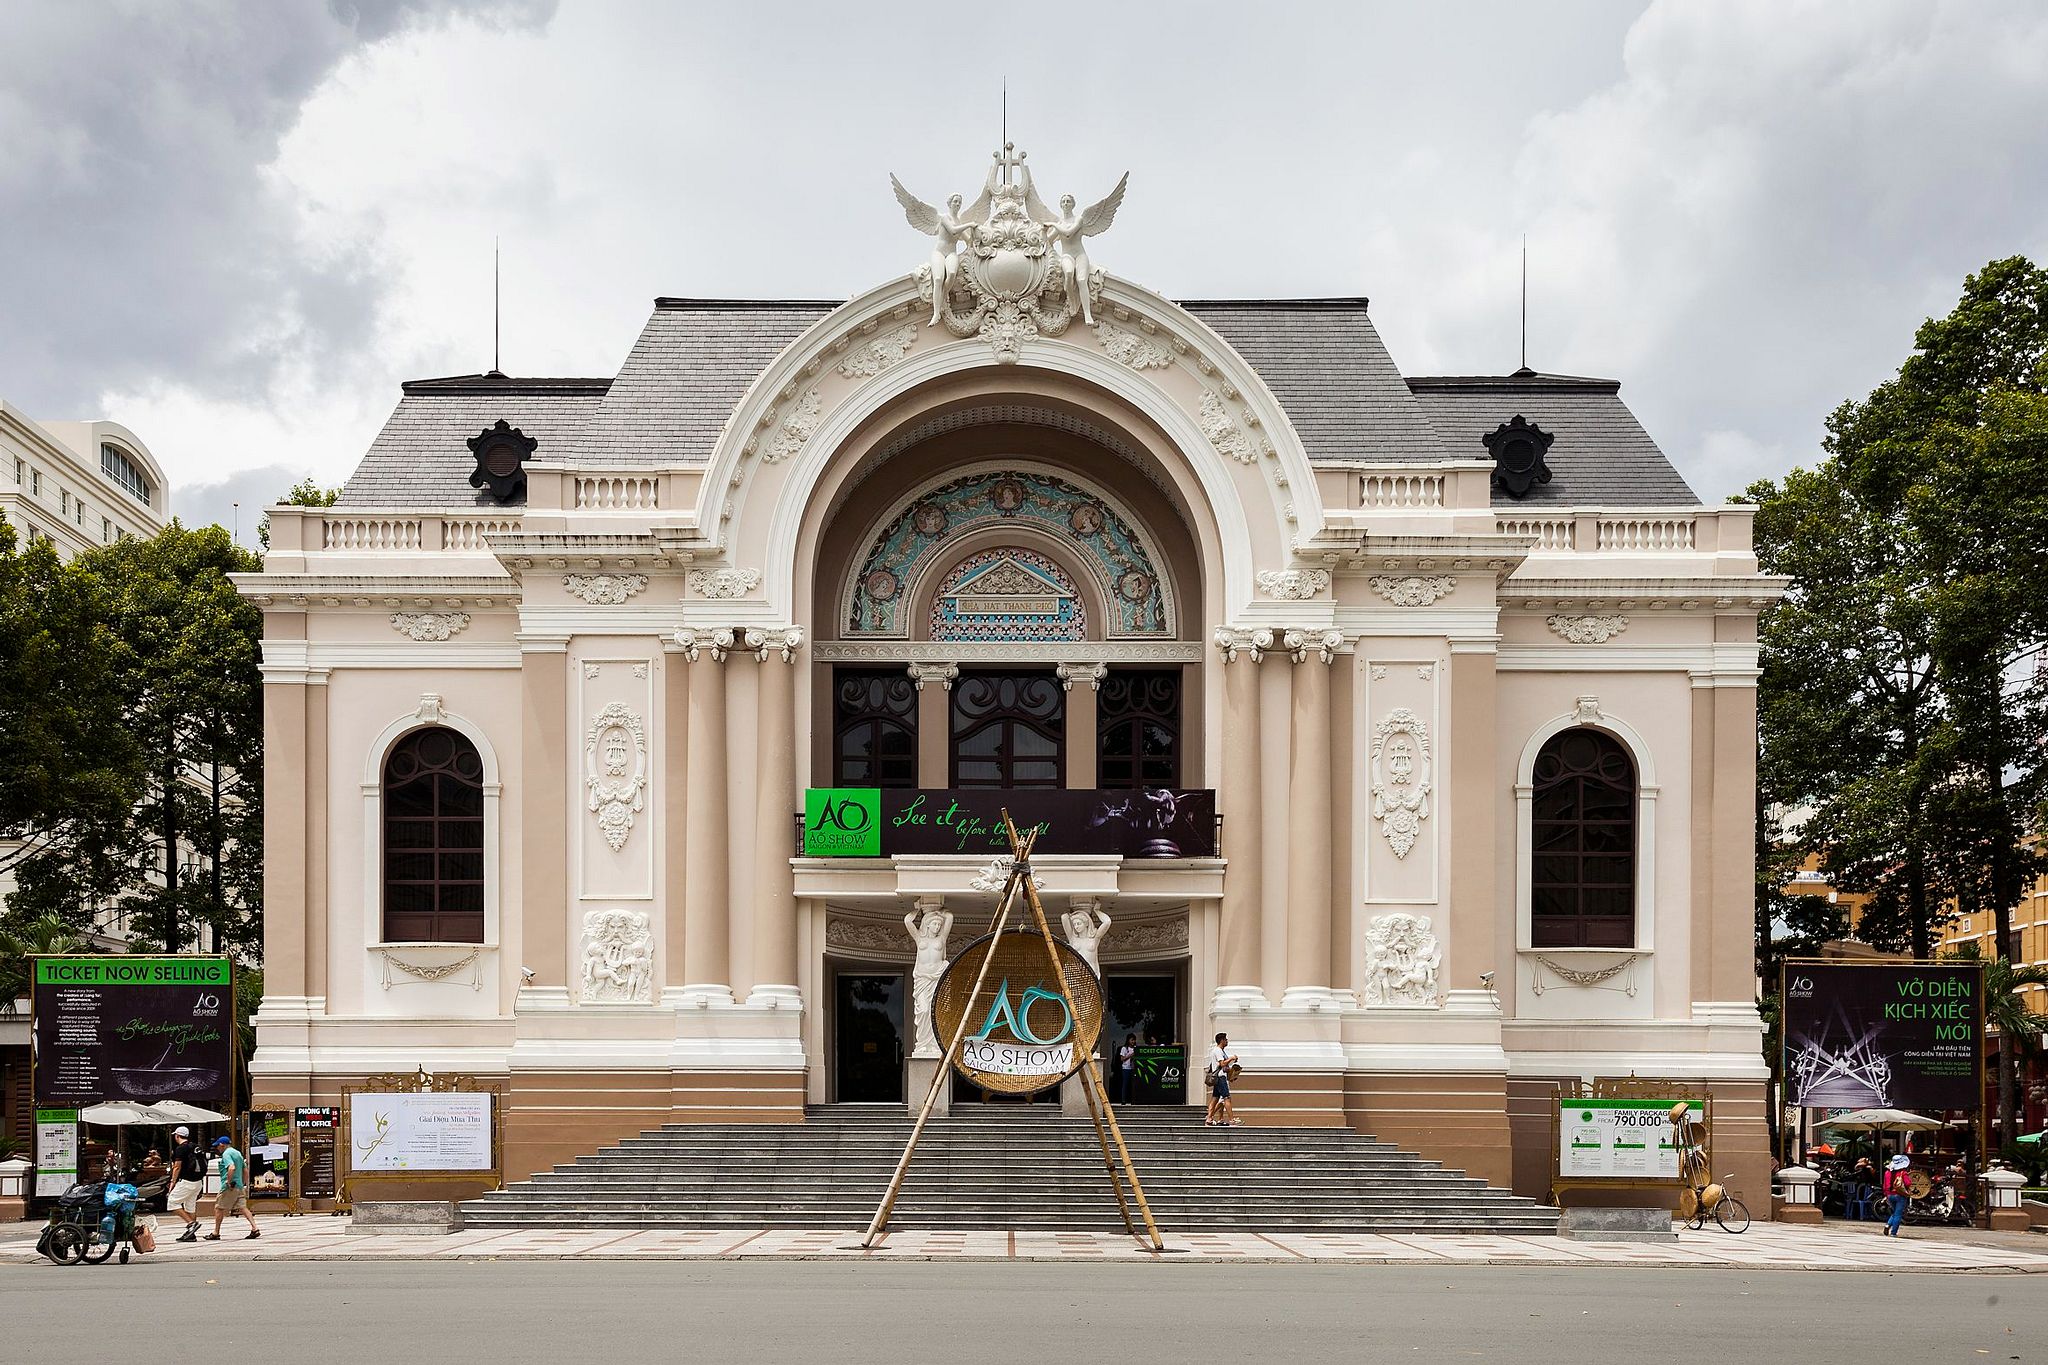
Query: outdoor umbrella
x=164, y=1114
x=1883, y=1121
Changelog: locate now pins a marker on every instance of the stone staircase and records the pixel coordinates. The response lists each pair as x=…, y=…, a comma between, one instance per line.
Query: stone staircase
x=1006, y=1166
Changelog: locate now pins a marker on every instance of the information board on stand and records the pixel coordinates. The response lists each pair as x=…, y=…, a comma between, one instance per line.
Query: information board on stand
x=1628, y=1139
x=315, y=1169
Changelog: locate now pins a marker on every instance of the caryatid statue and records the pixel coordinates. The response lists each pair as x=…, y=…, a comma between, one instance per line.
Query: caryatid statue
x=929, y=927
x=1086, y=922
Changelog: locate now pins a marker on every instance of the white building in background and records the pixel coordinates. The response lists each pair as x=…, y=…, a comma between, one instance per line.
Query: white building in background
x=77, y=484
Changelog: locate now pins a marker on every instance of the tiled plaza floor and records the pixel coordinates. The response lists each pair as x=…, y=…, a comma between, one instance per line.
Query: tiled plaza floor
x=1764, y=1246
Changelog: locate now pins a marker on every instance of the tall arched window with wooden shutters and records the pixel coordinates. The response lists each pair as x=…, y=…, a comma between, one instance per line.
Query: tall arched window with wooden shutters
x=433, y=839
x=1583, y=842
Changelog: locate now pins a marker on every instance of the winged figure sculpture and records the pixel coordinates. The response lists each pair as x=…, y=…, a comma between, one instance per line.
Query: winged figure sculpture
x=1071, y=231
x=950, y=226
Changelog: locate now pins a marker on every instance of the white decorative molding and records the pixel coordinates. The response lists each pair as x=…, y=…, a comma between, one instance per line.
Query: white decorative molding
x=929, y=923
x=1293, y=585
x=1593, y=979
x=1401, y=961
x=1223, y=432
x=1586, y=710
x=1156, y=936
x=1321, y=645
x=999, y=652
x=434, y=971
x=1128, y=348
x=717, y=643
x=429, y=625
x=724, y=583
x=1588, y=630
x=783, y=640
x=618, y=957
x=1235, y=640
x=942, y=674
x=865, y=936
x=615, y=771
x=429, y=712
x=1069, y=674
x=640, y=671
x=1402, y=776
x=1425, y=672
x=1379, y=672
x=591, y=671
x=874, y=356
x=604, y=589
x=794, y=429
x=1413, y=590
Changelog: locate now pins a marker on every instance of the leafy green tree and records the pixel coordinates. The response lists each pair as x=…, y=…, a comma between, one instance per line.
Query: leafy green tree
x=2020, y=1027
x=305, y=493
x=19, y=942
x=70, y=770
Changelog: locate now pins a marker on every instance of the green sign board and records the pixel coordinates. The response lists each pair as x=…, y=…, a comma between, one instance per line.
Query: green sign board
x=132, y=971
x=842, y=822
x=1619, y=1138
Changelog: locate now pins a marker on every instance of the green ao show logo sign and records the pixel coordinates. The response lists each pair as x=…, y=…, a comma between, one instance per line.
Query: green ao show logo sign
x=842, y=822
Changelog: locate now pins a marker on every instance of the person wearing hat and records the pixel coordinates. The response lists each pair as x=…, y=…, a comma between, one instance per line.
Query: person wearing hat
x=234, y=1189
x=1898, y=1181
x=188, y=1177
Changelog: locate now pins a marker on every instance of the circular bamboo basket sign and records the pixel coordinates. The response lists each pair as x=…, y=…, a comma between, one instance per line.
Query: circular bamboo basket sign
x=1020, y=1037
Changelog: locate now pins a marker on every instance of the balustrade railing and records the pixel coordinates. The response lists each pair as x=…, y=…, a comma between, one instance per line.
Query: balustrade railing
x=1549, y=533
x=617, y=492
x=1646, y=533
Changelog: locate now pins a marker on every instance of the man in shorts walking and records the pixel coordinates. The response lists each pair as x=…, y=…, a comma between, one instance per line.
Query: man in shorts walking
x=234, y=1189
x=1222, y=1061
x=188, y=1176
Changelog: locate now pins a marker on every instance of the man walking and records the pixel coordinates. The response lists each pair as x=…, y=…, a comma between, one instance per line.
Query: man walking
x=1222, y=1062
x=234, y=1189
x=188, y=1176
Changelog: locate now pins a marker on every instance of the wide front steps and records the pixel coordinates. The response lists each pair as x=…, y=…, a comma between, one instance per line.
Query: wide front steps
x=1006, y=1166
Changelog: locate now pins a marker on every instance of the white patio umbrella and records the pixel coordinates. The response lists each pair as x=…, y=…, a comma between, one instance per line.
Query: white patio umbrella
x=1883, y=1121
x=163, y=1114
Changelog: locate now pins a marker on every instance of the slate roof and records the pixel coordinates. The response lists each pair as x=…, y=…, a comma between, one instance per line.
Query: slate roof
x=1324, y=361
x=1322, y=358
x=1602, y=457
x=421, y=459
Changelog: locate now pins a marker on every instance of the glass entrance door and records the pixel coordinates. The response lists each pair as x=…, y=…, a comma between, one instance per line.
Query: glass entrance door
x=868, y=1029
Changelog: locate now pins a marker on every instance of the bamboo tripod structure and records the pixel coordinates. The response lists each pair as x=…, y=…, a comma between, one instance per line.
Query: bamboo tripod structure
x=1099, y=1110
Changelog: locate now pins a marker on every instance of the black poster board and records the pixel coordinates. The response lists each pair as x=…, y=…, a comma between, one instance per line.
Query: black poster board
x=319, y=1171
x=1162, y=1073
x=870, y=822
x=1899, y=1035
x=267, y=1143
x=133, y=1027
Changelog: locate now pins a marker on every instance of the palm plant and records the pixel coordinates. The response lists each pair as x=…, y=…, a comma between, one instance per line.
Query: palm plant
x=20, y=943
x=2006, y=1009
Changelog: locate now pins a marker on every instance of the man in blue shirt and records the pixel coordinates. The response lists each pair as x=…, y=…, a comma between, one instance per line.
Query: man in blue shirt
x=234, y=1189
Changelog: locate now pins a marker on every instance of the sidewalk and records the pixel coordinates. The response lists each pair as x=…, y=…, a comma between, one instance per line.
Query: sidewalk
x=1764, y=1246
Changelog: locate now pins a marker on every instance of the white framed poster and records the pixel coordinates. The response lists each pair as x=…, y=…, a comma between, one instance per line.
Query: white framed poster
x=56, y=1151
x=410, y=1130
x=1629, y=1139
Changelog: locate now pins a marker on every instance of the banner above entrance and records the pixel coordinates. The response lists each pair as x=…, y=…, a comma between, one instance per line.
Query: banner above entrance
x=872, y=822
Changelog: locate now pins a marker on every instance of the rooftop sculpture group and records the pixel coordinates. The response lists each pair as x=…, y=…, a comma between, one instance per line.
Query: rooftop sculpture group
x=1007, y=267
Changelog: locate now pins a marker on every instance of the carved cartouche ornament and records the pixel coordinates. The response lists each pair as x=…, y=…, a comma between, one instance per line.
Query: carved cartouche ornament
x=1518, y=448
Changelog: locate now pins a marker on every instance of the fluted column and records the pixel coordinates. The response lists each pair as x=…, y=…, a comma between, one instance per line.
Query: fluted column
x=1308, y=800
x=775, y=965
x=1240, y=968
x=707, y=936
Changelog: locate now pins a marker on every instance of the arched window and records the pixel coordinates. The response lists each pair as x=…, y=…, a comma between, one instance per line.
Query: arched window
x=434, y=839
x=874, y=728
x=1137, y=729
x=1009, y=730
x=1583, y=843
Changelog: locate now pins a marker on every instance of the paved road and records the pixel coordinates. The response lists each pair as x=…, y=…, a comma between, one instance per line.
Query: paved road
x=1020, y=1314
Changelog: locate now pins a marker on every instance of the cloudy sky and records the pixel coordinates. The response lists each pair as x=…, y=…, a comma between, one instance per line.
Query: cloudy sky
x=237, y=225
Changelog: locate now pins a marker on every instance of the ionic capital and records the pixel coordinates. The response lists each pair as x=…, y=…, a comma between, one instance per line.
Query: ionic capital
x=1320, y=645
x=1235, y=640
x=1092, y=674
x=716, y=643
x=783, y=640
x=942, y=674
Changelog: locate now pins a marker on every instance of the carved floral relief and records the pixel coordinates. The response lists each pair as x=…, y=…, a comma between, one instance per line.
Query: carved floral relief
x=615, y=771
x=1401, y=778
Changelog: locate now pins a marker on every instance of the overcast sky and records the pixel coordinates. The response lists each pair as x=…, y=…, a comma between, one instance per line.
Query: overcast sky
x=236, y=226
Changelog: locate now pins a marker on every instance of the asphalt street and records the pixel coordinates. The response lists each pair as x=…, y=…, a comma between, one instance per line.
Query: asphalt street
x=996, y=1314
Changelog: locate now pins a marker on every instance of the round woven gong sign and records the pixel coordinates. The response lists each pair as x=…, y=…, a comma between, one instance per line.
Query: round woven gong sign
x=1021, y=1037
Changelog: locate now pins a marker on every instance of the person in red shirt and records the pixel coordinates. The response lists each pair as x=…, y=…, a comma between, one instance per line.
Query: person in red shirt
x=1897, y=1191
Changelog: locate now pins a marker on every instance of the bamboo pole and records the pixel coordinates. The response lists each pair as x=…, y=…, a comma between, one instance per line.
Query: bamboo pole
x=1091, y=1077
x=945, y=1069
x=1108, y=1161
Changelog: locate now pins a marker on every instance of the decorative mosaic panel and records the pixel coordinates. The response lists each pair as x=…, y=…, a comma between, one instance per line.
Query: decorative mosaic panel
x=1122, y=565
x=1007, y=595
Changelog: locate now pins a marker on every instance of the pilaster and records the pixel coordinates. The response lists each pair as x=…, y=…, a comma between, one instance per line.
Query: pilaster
x=544, y=807
x=775, y=964
x=707, y=968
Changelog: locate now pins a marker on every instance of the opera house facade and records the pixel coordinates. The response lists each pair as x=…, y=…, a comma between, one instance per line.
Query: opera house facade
x=629, y=738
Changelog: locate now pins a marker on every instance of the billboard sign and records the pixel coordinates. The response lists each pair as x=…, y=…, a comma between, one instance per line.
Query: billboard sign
x=1622, y=1139
x=1902, y=1035
x=133, y=1027
x=872, y=822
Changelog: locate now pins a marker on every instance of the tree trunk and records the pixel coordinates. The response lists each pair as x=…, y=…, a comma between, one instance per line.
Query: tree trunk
x=2004, y=845
x=215, y=908
x=173, y=940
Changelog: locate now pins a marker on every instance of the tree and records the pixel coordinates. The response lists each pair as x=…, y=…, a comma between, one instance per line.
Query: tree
x=21, y=942
x=2018, y=1025
x=305, y=493
x=69, y=771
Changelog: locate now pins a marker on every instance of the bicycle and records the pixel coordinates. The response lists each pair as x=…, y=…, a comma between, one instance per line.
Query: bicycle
x=1713, y=1199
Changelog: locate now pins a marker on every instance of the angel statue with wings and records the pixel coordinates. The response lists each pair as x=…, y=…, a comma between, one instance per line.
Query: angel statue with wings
x=1070, y=232
x=950, y=227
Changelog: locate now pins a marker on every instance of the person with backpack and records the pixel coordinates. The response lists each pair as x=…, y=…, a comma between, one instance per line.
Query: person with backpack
x=1898, y=1191
x=188, y=1178
x=1222, y=1066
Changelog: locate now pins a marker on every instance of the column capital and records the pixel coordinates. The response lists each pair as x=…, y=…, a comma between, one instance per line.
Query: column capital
x=1092, y=674
x=1235, y=640
x=942, y=674
x=1320, y=645
x=767, y=640
x=694, y=642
